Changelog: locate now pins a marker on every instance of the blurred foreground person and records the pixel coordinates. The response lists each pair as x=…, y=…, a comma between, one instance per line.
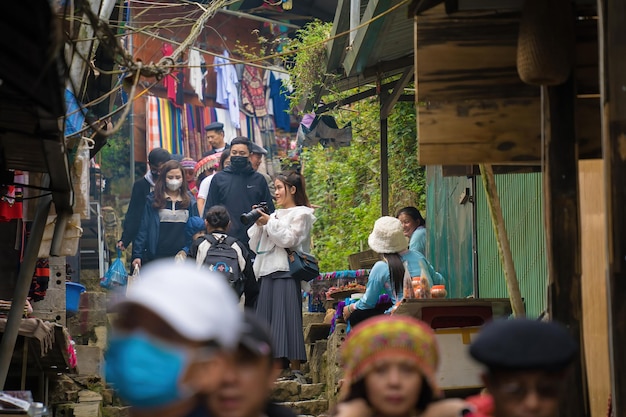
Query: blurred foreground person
x=389, y=371
x=527, y=364
x=249, y=376
x=168, y=347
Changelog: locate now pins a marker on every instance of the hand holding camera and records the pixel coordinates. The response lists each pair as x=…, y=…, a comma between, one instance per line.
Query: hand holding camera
x=253, y=215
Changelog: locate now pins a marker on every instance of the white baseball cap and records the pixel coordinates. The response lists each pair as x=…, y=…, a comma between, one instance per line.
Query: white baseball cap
x=197, y=303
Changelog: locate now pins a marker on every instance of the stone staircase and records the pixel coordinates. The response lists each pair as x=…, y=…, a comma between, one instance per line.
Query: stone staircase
x=322, y=370
x=303, y=399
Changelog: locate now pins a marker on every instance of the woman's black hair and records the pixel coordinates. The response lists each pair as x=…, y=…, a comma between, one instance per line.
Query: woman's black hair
x=295, y=179
x=413, y=213
x=357, y=390
x=223, y=157
x=396, y=270
x=217, y=218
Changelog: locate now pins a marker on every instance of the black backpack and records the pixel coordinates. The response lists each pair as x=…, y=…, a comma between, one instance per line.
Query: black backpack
x=223, y=258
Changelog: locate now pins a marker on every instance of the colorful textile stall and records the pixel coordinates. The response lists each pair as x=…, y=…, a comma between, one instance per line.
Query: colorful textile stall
x=180, y=130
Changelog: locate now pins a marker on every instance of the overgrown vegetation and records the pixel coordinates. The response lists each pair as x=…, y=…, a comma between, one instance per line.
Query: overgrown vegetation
x=345, y=183
x=309, y=62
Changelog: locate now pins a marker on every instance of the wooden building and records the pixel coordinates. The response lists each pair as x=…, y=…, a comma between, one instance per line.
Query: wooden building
x=473, y=108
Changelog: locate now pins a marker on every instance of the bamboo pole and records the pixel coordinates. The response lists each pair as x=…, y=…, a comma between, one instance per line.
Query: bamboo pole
x=504, y=249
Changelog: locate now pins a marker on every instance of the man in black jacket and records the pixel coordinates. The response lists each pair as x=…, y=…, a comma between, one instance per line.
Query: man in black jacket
x=141, y=188
x=239, y=187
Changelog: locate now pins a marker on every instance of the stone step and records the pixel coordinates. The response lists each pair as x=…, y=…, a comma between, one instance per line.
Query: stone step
x=291, y=391
x=115, y=411
x=88, y=409
x=308, y=407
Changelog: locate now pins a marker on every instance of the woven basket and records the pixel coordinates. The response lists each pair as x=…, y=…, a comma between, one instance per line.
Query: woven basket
x=545, y=42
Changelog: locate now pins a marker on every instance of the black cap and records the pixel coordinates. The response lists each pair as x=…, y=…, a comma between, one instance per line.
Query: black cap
x=256, y=335
x=520, y=344
x=215, y=126
x=258, y=149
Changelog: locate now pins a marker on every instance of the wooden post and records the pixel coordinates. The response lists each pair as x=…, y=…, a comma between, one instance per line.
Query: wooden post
x=612, y=39
x=504, y=248
x=384, y=161
x=563, y=230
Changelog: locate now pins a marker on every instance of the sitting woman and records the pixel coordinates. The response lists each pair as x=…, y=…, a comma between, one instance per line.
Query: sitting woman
x=389, y=371
x=387, y=276
x=414, y=227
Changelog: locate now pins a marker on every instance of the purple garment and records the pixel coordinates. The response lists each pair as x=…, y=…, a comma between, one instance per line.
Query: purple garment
x=307, y=119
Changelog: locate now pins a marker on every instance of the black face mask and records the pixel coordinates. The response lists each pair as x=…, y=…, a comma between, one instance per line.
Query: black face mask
x=155, y=175
x=238, y=163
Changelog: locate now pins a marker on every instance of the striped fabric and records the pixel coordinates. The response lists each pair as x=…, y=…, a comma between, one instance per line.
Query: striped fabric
x=179, y=130
x=153, y=133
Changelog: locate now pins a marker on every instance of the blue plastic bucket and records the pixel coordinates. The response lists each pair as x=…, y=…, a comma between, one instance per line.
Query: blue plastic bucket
x=72, y=296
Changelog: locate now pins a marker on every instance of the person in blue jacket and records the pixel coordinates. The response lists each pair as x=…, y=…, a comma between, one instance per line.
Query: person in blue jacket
x=414, y=227
x=167, y=210
x=387, y=276
x=239, y=187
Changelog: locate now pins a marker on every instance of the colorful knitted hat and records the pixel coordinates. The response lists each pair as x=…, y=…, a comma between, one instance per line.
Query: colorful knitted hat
x=188, y=163
x=383, y=336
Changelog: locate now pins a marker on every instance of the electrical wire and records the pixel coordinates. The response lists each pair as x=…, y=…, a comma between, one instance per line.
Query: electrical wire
x=122, y=58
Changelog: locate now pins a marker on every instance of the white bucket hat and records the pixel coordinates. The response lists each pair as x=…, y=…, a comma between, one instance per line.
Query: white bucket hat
x=387, y=236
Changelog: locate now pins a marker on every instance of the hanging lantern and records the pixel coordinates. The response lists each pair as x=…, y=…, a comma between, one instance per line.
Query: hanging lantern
x=546, y=42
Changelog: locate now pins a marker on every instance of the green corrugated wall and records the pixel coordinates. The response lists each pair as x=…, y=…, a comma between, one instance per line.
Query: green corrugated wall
x=449, y=226
x=522, y=208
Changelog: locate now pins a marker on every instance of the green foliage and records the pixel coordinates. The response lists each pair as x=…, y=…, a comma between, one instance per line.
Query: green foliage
x=115, y=163
x=308, y=67
x=345, y=183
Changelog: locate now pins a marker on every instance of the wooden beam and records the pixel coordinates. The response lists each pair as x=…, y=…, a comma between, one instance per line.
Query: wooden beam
x=398, y=90
x=502, y=240
x=502, y=132
x=563, y=232
x=384, y=162
x=474, y=132
x=359, y=51
x=475, y=57
x=612, y=37
x=337, y=47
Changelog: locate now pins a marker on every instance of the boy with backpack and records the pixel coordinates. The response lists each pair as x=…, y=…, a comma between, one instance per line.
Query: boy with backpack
x=219, y=252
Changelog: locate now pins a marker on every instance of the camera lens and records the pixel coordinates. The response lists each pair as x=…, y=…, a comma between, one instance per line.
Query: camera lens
x=250, y=217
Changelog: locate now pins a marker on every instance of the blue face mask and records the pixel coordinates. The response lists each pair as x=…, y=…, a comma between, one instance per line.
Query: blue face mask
x=144, y=372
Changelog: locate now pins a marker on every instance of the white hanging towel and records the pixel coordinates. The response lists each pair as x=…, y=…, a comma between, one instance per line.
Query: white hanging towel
x=195, y=72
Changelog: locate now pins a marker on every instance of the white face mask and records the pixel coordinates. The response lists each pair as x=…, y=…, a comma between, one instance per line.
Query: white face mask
x=173, y=185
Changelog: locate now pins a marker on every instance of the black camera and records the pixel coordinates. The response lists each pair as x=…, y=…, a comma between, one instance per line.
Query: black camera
x=254, y=214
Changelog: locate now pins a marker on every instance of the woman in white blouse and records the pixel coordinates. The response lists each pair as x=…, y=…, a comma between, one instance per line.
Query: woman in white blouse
x=280, y=298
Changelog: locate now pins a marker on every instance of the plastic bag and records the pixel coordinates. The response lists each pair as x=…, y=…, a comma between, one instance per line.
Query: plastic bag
x=116, y=274
x=133, y=278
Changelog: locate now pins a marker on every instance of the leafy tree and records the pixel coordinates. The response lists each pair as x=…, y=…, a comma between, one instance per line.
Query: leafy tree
x=344, y=183
x=115, y=164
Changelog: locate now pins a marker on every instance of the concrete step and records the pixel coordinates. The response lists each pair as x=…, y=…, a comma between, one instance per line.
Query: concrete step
x=308, y=407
